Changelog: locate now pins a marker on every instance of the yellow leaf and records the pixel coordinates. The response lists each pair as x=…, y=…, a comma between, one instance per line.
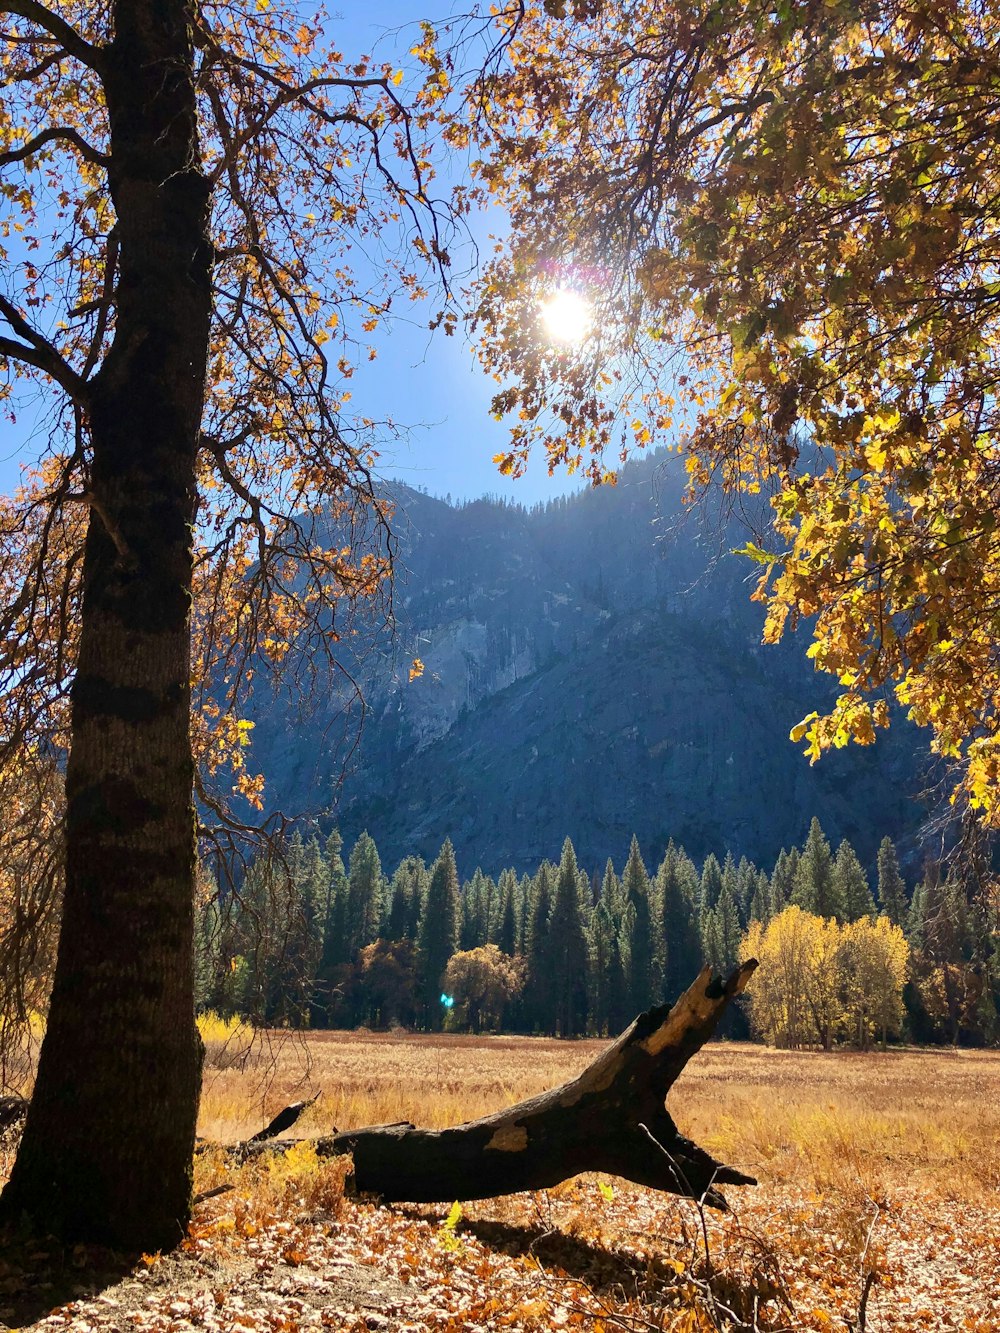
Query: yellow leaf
x=798, y=732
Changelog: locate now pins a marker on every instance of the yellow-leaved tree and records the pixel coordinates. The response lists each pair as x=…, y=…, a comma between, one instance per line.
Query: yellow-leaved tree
x=819, y=981
x=875, y=963
x=785, y=221
x=206, y=212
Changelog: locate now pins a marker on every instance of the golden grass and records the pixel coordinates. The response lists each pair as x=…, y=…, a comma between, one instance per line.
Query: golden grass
x=841, y=1122
x=874, y=1169
x=227, y=1040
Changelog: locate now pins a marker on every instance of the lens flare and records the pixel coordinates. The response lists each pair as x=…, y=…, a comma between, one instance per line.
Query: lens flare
x=566, y=316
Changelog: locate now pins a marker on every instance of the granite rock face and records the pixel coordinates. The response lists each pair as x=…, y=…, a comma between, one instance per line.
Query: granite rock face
x=592, y=668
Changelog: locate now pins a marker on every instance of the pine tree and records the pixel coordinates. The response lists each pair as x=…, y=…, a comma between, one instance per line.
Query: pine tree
x=475, y=910
x=914, y=925
x=307, y=890
x=678, y=892
x=746, y=883
x=406, y=897
x=892, y=899
x=317, y=872
x=595, y=889
x=728, y=931
x=814, y=887
x=850, y=885
x=711, y=884
x=567, y=948
x=711, y=939
x=641, y=942
x=506, y=931
x=945, y=927
x=538, y=1007
x=611, y=894
x=783, y=878
x=601, y=939
x=271, y=929
x=365, y=894
x=524, y=899
x=335, y=953
x=437, y=937
x=337, y=918
x=619, y=1015
x=730, y=877
x=945, y=968
x=760, y=900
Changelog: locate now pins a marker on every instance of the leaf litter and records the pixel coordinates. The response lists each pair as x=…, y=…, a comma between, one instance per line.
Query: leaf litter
x=583, y=1256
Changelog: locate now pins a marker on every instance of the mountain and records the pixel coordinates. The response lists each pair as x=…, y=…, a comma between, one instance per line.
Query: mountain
x=593, y=667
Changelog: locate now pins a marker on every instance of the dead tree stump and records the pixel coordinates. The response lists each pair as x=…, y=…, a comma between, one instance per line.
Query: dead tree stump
x=610, y=1118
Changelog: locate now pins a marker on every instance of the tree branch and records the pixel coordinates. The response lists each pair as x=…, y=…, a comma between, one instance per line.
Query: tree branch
x=39, y=352
x=56, y=132
x=103, y=306
x=48, y=361
x=64, y=33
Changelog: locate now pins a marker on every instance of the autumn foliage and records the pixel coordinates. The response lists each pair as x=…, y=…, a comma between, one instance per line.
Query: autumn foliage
x=819, y=980
x=290, y=531
x=785, y=219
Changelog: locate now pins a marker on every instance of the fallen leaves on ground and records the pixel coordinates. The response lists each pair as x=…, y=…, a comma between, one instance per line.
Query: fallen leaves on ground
x=592, y=1255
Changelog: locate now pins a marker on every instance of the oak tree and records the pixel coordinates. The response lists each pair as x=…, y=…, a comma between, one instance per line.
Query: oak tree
x=483, y=982
x=785, y=222
x=206, y=213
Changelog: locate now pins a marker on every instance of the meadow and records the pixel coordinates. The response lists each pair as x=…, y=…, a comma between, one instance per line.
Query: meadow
x=917, y=1115
x=877, y=1208
x=879, y=1197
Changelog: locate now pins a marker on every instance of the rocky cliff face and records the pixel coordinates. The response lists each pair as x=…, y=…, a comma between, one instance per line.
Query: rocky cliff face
x=593, y=667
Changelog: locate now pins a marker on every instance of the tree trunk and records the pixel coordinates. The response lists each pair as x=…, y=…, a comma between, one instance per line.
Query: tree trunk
x=107, y=1146
x=611, y=1118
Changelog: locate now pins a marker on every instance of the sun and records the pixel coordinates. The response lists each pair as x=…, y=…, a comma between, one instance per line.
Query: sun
x=566, y=316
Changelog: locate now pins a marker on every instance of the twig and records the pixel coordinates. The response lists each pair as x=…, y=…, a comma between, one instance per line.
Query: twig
x=863, y=1305
x=868, y=1275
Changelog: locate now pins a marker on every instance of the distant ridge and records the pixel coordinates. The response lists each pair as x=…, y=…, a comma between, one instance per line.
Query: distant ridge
x=593, y=667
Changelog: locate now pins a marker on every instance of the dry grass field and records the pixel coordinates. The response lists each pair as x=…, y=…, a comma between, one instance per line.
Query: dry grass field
x=918, y=1117
x=881, y=1164
x=878, y=1207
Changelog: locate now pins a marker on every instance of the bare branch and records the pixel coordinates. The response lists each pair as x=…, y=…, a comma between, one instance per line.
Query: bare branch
x=56, y=133
x=103, y=306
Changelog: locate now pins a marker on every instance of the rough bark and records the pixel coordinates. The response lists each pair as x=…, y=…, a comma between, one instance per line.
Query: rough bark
x=107, y=1147
x=610, y=1118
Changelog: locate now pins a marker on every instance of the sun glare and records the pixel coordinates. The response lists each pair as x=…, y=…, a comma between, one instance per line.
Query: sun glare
x=566, y=316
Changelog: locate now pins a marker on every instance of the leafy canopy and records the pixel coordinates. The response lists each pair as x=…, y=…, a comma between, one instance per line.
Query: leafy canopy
x=785, y=218
x=322, y=223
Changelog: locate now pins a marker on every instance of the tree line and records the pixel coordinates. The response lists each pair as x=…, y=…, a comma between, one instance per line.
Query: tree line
x=309, y=941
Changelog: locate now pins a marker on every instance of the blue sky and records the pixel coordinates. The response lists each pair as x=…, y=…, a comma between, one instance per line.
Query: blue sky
x=431, y=382
x=426, y=382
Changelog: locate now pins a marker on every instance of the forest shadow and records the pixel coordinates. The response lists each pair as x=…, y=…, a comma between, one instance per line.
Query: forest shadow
x=603, y=1269
x=615, y=1275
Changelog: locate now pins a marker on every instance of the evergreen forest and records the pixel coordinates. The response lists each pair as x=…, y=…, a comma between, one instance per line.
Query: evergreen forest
x=311, y=939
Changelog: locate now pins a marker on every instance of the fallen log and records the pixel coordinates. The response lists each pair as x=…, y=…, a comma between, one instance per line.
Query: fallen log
x=285, y=1119
x=611, y=1118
